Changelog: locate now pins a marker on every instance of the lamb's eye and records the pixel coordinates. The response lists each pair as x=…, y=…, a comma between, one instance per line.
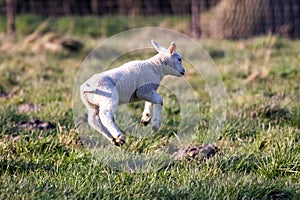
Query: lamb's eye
x=179, y=59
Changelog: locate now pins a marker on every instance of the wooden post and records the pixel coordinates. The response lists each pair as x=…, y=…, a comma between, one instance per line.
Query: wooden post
x=296, y=18
x=10, y=17
x=268, y=29
x=94, y=7
x=195, y=19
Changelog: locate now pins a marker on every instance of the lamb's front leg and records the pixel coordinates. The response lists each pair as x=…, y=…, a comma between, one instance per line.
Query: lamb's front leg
x=147, y=113
x=157, y=109
x=157, y=101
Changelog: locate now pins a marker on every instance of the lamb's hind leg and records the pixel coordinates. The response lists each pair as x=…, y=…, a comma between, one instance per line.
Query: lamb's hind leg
x=147, y=113
x=106, y=114
x=95, y=122
x=93, y=117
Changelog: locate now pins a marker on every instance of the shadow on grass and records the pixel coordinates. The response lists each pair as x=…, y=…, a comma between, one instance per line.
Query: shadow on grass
x=265, y=192
x=21, y=166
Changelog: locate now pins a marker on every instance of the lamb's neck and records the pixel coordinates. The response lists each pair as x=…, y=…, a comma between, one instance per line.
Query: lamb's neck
x=158, y=62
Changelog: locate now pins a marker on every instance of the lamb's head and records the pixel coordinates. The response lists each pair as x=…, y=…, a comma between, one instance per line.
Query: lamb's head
x=171, y=59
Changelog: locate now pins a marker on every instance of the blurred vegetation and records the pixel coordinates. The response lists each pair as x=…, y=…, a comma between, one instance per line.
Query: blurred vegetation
x=94, y=26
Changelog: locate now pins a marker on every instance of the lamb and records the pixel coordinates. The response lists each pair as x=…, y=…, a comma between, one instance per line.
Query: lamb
x=131, y=82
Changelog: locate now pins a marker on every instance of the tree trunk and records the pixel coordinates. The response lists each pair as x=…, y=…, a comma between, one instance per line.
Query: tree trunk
x=296, y=15
x=94, y=7
x=268, y=18
x=10, y=17
x=195, y=19
x=67, y=7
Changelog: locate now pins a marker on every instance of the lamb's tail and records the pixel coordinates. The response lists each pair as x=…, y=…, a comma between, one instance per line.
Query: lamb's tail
x=86, y=89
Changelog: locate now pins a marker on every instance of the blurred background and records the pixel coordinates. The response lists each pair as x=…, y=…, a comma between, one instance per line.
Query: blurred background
x=232, y=19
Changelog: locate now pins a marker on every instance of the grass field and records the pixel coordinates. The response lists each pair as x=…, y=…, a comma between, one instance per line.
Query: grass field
x=260, y=141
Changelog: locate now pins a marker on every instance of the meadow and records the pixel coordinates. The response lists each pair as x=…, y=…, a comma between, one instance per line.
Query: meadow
x=259, y=155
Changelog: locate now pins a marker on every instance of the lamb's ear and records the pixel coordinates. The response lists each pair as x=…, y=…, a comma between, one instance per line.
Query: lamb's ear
x=172, y=48
x=156, y=46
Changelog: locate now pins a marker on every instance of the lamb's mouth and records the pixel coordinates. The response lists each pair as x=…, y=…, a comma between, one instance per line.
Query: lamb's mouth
x=182, y=72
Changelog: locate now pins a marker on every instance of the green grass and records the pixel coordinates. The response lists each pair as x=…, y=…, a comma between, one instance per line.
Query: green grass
x=260, y=141
x=93, y=26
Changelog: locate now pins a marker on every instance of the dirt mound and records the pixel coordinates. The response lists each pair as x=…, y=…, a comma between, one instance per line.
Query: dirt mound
x=8, y=95
x=50, y=42
x=29, y=107
x=40, y=41
x=196, y=153
x=36, y=124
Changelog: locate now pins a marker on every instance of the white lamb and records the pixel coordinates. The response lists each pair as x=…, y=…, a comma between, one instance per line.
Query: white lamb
x=133, y=81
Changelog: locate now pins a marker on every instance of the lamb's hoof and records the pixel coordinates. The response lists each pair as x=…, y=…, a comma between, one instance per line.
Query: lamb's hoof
x=145, y=120
x=155, y=125
x=145, y=123
x=155, y=128
x=119, y=141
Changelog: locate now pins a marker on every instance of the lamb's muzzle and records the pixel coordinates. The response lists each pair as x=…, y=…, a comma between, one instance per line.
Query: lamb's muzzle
x=133, y=81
